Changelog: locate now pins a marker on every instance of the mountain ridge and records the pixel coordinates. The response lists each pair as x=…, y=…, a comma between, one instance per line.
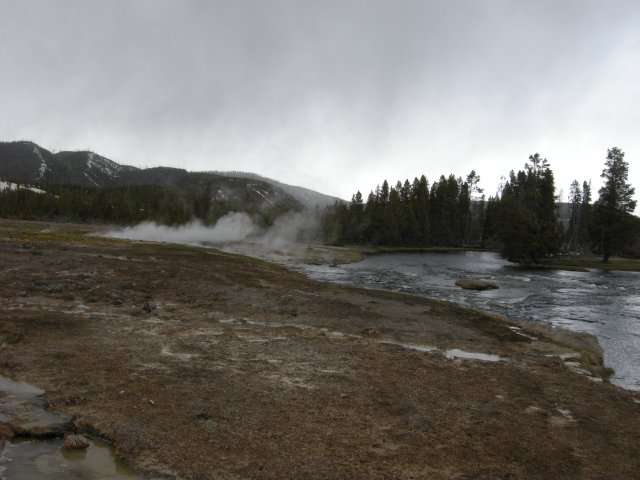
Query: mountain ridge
x=26, y=162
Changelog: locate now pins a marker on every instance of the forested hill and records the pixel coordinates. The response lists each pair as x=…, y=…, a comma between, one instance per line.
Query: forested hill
x=304, y=195
x=27, y=163
x=84, y=186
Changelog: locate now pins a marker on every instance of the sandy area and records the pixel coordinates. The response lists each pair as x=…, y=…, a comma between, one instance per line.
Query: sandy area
x=242, y=369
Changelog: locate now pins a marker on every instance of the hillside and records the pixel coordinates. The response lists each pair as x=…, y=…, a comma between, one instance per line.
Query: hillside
x=84, y=186
x=307, y=197
x=27, y=163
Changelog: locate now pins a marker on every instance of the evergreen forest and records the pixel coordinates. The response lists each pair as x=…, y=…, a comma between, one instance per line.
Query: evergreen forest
x=522, y=220
x=132, y=204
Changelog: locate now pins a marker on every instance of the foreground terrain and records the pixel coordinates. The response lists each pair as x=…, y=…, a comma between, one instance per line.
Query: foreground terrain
x=205, y=365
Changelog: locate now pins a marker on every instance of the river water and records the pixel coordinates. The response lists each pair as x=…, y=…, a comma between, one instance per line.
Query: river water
x=605, y=304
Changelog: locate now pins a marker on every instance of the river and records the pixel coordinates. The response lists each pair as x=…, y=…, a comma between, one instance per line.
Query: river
x=604, y=304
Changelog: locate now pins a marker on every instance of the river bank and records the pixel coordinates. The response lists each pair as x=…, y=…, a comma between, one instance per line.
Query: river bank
x=205, y=364
x=572, y=263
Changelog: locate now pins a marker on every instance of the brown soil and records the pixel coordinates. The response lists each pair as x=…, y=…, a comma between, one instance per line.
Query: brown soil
x=243, y=369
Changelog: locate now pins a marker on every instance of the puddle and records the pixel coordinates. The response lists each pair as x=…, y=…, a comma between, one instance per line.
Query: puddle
x=299, y=326
x=518, y=331
x=568, y=355
x=452, y=354
x=180, y=356
x=570, y=360
x=462, y=354
x=22, y=405
x=29, y=460
x=410, y=346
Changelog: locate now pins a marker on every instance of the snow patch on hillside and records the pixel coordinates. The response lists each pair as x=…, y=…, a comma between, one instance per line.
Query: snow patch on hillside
x=43, y=164
x=91, y=179
x=15, y=186
x=103, y=165
x=308, y=198
x=264, y=195
x=90, y=157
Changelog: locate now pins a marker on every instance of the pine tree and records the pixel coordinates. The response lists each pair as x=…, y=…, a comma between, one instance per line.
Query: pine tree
x=575, y=207
x=527, y=222
x=422, y=209
x=585, y=216
x=472, y=216
x=612, y=211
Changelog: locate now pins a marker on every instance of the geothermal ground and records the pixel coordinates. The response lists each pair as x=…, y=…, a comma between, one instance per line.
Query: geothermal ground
x=206, y=365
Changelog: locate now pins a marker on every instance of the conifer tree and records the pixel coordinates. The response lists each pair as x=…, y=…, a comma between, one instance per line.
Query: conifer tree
x=575, y=210
x=527, y=223
x=612, y=211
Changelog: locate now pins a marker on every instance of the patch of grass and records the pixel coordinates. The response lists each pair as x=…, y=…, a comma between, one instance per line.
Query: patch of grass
x=574, y=263
x=42, y=233
x=379, y=250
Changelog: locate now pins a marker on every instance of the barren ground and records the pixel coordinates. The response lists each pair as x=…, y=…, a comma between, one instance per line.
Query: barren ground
x=243, y=369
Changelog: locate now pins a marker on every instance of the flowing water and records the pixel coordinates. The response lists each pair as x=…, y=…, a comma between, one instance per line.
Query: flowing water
x=604, y=304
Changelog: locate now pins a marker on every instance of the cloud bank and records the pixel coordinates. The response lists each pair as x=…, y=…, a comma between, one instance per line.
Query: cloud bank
x=333, y=95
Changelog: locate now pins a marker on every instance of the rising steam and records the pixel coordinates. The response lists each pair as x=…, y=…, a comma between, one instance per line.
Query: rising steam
x=233, y=228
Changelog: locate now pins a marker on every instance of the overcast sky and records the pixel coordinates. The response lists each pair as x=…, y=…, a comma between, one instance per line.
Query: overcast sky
x=327, y=94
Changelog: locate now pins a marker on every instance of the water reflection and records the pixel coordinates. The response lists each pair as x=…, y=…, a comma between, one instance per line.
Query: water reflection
x=22, y=405
x=605, y=304
x=29, y=460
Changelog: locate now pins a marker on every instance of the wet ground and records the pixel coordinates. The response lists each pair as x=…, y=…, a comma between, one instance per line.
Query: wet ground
x=36, y=451
x=604, y=304
x=45, y=459
x=208, y=365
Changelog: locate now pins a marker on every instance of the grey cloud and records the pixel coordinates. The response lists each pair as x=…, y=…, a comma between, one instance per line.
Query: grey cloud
x=299, y=89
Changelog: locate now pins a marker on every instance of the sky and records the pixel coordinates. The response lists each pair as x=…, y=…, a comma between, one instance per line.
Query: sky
x=332, y=95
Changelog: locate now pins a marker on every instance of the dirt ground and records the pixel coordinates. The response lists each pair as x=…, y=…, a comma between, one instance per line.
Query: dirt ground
x=241, y=369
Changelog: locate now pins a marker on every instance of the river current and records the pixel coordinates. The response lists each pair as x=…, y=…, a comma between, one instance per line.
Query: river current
x=604, y=304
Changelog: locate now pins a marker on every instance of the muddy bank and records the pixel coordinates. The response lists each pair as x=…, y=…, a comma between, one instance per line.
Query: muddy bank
x=242, y=369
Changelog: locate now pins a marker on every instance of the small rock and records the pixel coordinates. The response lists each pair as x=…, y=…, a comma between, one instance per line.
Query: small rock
x=146, y=308
x=469, y=284
x=47, y=285
x=81, y=285
x=75, y=442
x=151, y=402
x=288, y=311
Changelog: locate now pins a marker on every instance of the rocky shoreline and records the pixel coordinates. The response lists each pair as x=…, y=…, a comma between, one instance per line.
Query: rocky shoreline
x=202, y=364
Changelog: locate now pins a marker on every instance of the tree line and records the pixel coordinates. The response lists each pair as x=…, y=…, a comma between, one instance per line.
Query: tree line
x=521, y=220
x=131, y=204
x=409, y=214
